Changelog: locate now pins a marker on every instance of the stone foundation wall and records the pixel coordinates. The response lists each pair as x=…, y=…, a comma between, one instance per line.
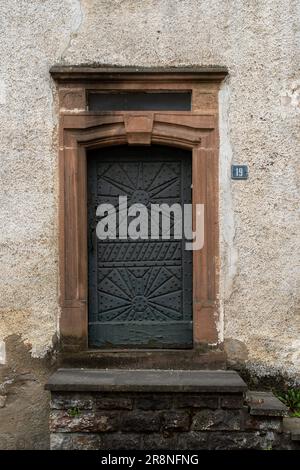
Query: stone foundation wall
x=150, y=421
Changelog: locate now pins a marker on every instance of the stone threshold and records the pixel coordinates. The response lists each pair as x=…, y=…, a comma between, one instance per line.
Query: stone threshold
x=116, y=380
x=191, y=359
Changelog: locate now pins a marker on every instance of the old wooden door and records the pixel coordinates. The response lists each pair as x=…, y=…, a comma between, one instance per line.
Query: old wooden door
x=140, y=291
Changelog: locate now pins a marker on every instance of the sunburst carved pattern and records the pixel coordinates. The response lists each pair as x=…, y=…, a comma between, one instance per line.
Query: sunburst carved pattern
x=143, y=182
x=140, y=294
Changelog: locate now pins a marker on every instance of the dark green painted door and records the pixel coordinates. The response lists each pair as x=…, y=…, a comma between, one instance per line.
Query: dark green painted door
x=140, y=291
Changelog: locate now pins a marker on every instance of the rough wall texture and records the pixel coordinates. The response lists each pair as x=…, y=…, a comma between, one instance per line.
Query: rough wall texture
x=259, y=42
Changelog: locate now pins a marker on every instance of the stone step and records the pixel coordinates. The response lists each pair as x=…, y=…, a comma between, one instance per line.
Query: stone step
x=213, y=359
x=96, y=380
x=265, y=404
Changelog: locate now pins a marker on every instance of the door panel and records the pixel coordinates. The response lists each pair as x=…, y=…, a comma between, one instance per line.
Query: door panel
x=140, y=291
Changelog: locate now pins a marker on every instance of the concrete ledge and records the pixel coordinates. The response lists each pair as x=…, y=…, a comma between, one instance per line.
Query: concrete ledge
x=146, y=380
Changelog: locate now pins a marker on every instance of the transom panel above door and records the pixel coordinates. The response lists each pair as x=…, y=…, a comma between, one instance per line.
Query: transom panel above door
x=140, y=291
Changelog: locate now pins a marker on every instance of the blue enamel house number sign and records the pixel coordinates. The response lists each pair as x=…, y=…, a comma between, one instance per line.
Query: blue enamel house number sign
x=239, y=172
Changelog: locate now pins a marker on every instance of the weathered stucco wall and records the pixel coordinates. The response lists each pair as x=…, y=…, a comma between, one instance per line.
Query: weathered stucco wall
x=259, y=42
